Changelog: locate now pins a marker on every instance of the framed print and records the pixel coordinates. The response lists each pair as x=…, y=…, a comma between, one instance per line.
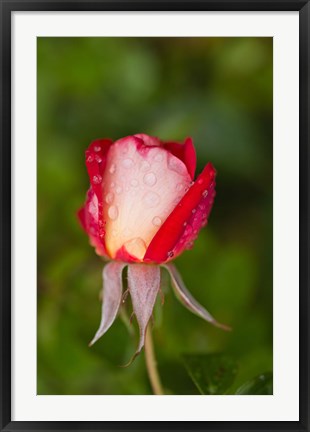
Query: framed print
x=154, y=224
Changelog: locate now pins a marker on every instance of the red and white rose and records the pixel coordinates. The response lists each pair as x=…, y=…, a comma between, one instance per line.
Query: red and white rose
x=143, y=207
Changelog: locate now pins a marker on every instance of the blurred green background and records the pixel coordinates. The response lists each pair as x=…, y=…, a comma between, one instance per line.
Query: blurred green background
x=216, y=90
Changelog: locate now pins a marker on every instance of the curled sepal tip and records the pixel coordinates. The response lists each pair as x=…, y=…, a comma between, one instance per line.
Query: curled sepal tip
x=143, y=284
x=188, y=300
x=112, y=296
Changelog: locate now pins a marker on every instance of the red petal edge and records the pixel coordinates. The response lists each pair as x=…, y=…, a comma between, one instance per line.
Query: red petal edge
x=182, y=225
x=95, y=158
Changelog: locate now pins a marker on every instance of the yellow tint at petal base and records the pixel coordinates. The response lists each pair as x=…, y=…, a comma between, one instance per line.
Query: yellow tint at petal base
x=136, y=247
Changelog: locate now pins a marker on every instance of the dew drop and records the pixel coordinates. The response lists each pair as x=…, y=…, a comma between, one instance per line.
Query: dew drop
x=113, y=212
x=98, y=158
x=151, y=199
x=189, y=245
x=90, y=158
x=97, y=148
x=205, y=193
x=179, y=187
x=156, y=221
x=188, y=230
x=185, y=223
x=134, y=183
x=93, y=209
x=112, y=168
x=112, y=185
x=118, y=189
x=194, y=211
x=200, y=181
x=127, y=163
x=109, y=198
x=170, y=254
x=150, y=179
x=97, y=179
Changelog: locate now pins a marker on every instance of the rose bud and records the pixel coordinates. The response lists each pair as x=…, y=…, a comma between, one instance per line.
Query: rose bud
x=144, y=208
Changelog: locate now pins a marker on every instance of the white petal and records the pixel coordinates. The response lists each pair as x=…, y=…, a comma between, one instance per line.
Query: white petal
x=141, y=188
x=112, y=296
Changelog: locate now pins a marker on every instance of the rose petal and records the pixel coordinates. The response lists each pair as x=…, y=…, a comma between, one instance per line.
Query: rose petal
x=91, y=215
x=188, y=300
x=112, y=296
x=167, y=242
x=89, y=219
x=148, y=140
x=185, y=152
x=143, y=284
x=142, y=184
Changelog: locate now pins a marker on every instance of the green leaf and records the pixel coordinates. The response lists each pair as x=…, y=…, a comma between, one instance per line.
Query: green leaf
x=213, y=374
x=260, y=385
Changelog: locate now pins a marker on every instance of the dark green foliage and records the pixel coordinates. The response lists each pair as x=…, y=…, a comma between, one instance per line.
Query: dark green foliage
x=261, y=385
x=213, y=374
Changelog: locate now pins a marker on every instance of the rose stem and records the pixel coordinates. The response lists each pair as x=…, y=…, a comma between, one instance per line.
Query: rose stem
x=151, y=364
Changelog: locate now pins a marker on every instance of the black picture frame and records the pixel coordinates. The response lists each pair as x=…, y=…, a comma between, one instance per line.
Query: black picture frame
x=7, y=7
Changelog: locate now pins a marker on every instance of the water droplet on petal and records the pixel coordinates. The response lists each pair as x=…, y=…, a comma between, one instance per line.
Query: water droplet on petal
x=188, y=230
x=109, y=197
x=93, y=209
x=90, y=158
x=98, y=158
x=179, y=187
x=118, y=189
x=112, y=168
x=200, y=181
x=97, y=148
x=127, y=163
x=156, y=221
x=134, y=183
x=170, y=254
x=150, y=179
x=194, y=211
x=113, y=212
x=97, y=179
x=205, y=193
x=151, y=199
x=112, y=185
x=189, y=245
